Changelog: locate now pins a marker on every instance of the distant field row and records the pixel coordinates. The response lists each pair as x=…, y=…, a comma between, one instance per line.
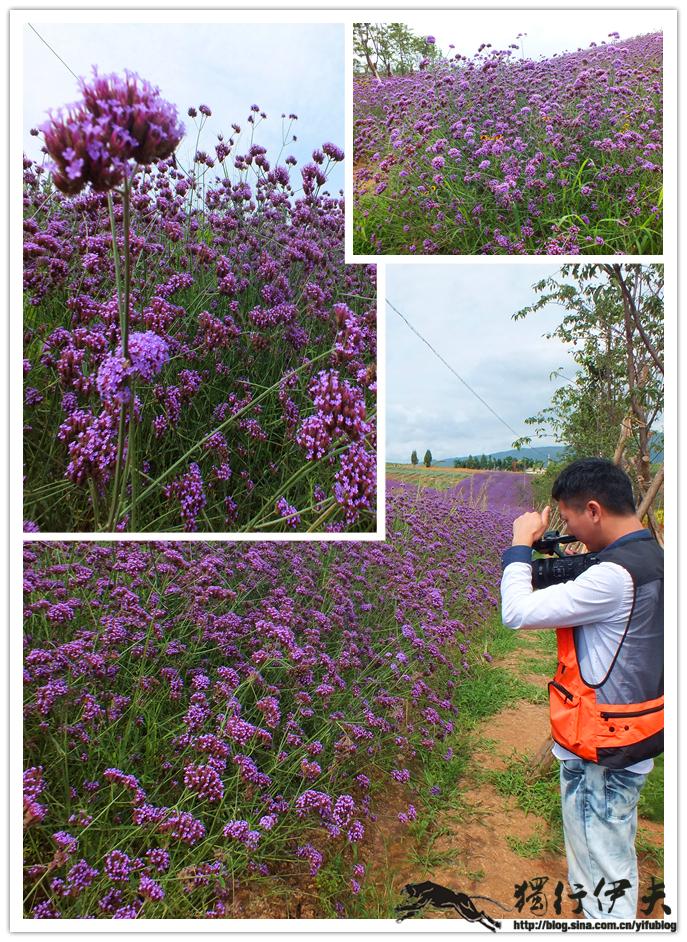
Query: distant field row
x=439, y=478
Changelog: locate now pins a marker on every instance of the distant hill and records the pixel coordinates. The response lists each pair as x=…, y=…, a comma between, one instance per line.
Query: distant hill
x=539, y=452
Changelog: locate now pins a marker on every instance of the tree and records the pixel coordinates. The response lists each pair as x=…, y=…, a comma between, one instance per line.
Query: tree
x=389, y=49
x=613, y=323
x=428, y=459
x=414, y=458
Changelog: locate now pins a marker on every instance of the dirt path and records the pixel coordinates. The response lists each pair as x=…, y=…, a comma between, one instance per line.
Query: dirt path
x=485, y=843
x=494, y=844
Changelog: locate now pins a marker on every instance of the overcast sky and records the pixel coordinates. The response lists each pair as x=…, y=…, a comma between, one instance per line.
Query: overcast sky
x=465, y=311
x=548, y=31
x=283, y=68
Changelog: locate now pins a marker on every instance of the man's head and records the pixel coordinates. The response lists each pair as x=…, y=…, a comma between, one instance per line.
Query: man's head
x=595, y=501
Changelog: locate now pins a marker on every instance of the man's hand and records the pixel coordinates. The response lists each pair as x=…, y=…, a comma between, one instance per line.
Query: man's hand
x=530, y=526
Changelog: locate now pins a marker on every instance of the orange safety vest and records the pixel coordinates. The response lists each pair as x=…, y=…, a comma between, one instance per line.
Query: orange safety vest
x=618, y=721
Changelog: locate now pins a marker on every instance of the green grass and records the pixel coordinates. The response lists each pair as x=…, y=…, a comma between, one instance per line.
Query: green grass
x=490, y=692
x=529, y=848
x=537, y=665
x=499, y=640
x=651, y=797
x=438, y=479
x=540, y=797
x=653, y=851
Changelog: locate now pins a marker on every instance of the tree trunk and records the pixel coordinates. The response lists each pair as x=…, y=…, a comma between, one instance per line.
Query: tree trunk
x=371, y=66
x=650, y=495
x=625, y=432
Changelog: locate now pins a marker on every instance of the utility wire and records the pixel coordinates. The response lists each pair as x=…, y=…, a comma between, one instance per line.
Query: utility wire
x=178, y=165
x=448, y=365
x=52, y=50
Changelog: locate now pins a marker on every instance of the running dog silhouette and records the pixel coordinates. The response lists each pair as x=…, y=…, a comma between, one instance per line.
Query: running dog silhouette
x=433, y=894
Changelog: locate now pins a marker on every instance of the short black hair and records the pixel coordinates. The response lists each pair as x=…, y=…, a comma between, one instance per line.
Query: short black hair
x=595, y=479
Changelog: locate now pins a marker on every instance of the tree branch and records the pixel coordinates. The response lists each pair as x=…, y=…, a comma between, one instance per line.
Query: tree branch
x=631, y=306
x=650, y=495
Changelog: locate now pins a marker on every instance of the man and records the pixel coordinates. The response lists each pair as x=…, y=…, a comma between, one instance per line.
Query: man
x=606, y=699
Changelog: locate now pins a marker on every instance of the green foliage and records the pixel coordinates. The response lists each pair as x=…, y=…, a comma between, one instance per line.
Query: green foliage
x=493, y=463
x=543, y=483
x=389, y=49
x=613, y=325
x=414, y=458
x=428, y=459
x=651, y=796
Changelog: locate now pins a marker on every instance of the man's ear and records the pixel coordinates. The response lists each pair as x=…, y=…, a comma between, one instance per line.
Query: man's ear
x=595, y=510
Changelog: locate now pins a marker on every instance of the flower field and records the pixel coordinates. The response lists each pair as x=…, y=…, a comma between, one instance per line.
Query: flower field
x=494, y=489
x=197, y=356
x=202, y=719
x=501, y=155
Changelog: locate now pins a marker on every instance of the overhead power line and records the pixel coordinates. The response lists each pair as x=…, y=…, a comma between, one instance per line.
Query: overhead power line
x=52, y=50
x=448, y=366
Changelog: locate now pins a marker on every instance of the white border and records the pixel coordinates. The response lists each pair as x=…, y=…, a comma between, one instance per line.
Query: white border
x=249, y=927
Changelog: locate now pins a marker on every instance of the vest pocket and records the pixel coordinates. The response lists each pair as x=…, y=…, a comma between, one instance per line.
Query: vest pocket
x=564, y=708
x=623, y=727
x=607, y=716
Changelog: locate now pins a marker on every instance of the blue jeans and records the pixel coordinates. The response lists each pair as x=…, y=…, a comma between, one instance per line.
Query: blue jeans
x=600, y=823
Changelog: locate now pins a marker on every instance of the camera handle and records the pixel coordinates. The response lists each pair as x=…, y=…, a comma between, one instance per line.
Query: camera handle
x=549, y=543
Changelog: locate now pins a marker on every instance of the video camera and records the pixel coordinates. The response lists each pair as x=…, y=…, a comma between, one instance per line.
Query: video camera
x=560, y=568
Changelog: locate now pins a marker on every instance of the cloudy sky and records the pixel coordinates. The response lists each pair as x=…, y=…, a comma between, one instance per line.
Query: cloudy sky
x=548, y=31
x=465, y=311
x=282, y=67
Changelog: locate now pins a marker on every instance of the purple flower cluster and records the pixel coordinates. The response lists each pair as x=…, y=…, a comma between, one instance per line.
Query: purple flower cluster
x=188, y=490
x=205, y=781
x=356, y=481
x=148, y=353
x=118, y=120
x=292, y=678
x=340, y=413
x=284, y=509
x=117, y=866
x=238, y=288
x=241, y=831
x=33, y=786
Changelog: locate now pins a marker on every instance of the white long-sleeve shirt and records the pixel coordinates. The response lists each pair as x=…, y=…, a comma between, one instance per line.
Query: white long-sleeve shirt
x=599, y=600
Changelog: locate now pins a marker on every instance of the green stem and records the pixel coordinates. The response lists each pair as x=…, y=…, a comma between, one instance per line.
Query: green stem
x=258, y=520
x=118, y=467
x=321, y=519
x=115, y=255
x=127, y=269
x=134, y=468
x=123, y=298
x=94, y=501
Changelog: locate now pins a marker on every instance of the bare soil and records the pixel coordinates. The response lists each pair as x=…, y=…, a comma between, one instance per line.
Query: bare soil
x=483, y=836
